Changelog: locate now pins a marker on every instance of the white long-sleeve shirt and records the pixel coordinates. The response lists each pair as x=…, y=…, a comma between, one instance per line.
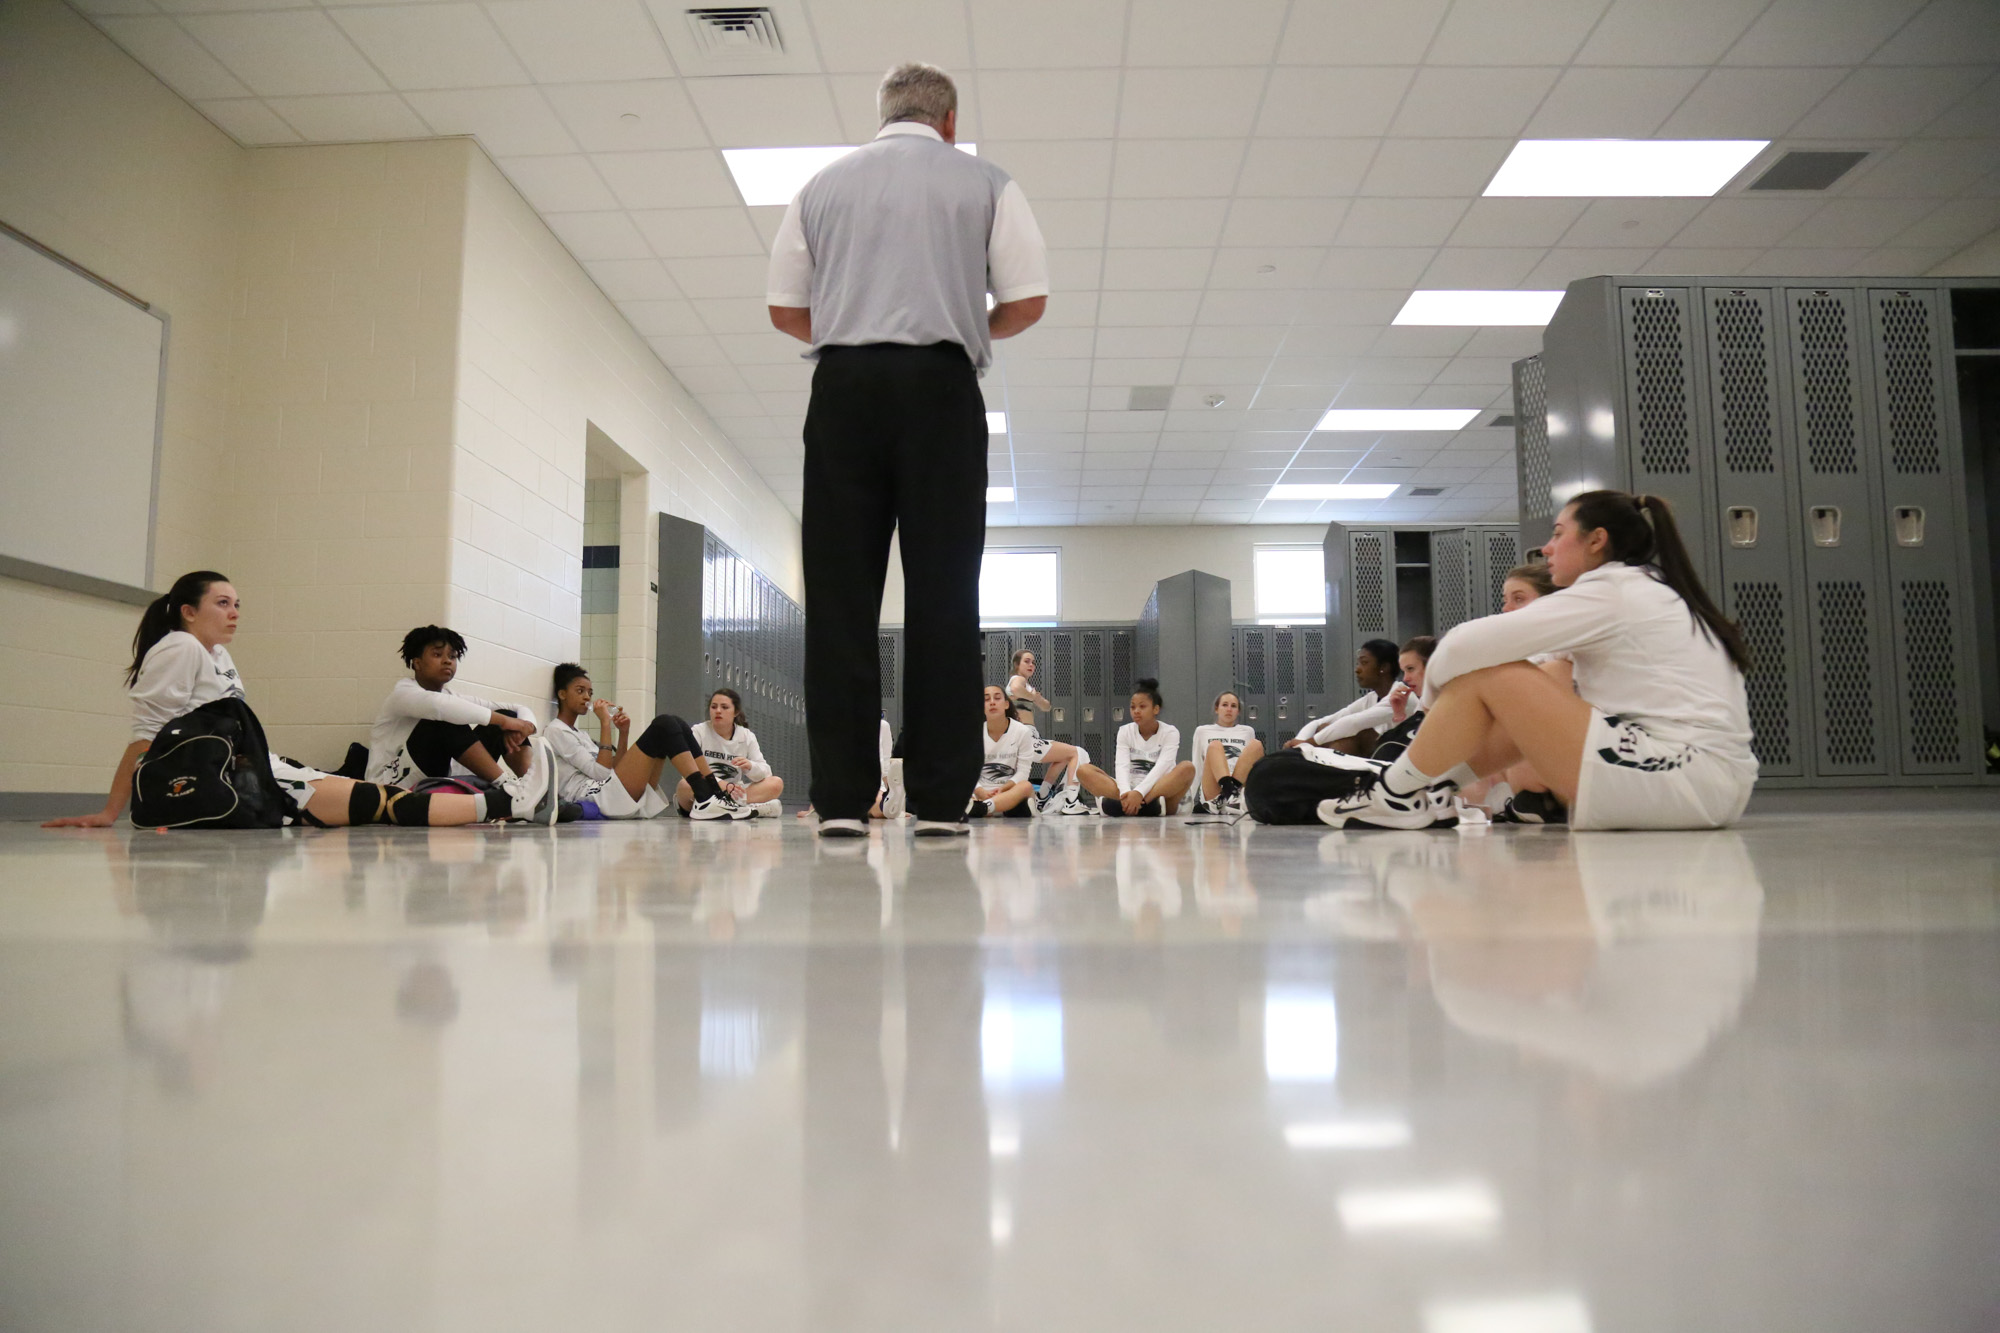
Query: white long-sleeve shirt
x=1142, y=762
x=177, y=677
x=1233, y=740
x=1009, y=756
x=740, y=744
x=1639, y=654
x=410, y=703
x=1370, y=712
x=577, y=769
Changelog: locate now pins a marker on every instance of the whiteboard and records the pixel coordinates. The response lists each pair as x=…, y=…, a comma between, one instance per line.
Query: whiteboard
x=81, y=369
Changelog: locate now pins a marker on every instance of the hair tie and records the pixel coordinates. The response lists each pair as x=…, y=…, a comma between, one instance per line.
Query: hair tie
x=1645, y=512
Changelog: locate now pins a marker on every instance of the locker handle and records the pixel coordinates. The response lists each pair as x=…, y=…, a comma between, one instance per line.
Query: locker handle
x=1909, y=522
x=1824, y=521
x=1742, y=526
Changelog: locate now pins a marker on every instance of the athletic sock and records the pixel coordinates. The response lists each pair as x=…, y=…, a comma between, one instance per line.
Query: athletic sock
x=479, y=807
x=703, y=786
x=1404, y=778
x=496, y=803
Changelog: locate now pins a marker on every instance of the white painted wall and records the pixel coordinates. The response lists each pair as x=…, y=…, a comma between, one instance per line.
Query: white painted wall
x=1107, y=572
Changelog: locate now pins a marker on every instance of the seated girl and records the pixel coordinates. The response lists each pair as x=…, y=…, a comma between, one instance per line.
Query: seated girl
x=1664, y=739
x=1061, y=759
x=620, y=776
x=180, y=661
x=1151, y=776
x=1226, y=750
x=1356, y=728
x=1528, y=798
x=1406, y=701
x=731, y=749
x=427, y=729
x=1003, y=787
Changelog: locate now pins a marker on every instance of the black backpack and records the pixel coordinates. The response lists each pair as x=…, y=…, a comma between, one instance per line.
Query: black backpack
x=1287, y=787
x=210, y=768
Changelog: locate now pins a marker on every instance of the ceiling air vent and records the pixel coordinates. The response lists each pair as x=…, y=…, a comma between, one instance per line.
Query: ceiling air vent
x=1806, y=171
x=1150, y=398
x=1426, y=490
x=1501, y=420
x=736, y=34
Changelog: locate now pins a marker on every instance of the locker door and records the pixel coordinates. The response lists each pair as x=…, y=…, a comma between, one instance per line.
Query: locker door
x=1059, y=678
x=1285, y=710
x=887, y=648
x=1756, y=539
x=1312, y=685
x=1533, y=477
x=1093, y=708
x=1371, y=570
x=1123, y=648
x=1253, y=677
x=1847, y=658
x=1451, y=579
x=1937, y=693
x=1663, y=447
x=1501, y=548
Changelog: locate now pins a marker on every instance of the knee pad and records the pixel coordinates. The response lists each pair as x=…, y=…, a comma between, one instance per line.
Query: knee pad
x=664, y=737
x=410, y=809
x=369, y=803
x=366, y=803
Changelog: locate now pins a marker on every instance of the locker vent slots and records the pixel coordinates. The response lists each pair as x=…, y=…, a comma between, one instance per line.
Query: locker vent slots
x=1845, y=713
x=1760, y=610
x=1659, y=346
x=1909, y=384
x=1743, y=348
x=1531, y=435
x=1827, y=384
x=1933, y=702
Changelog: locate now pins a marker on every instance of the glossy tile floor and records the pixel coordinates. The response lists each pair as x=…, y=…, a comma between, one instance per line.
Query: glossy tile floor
x=1085, y=1075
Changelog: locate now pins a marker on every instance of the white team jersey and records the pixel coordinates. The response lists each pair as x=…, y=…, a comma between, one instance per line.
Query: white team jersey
x=1143, y=761
x=1009, y=757
x=408, y=704
x=578, y=774
x=1369, y=712
x=177, y=677
x=1233, y=740
x=741, y=744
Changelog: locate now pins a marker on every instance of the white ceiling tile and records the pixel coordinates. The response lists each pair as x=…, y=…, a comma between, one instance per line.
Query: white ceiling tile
x=1512, y=222
x=854, y=103
x=248, y=121
x=685, y=233
x=1946, y=32
x=1189, y=103
x=1075, y=270
x=96, y=9
x=1746, y=221
x=1293, y=397
x=563, y=184
x=564, y=41
x=1687, y=32
x=1749, y=103
x=433, y=46
x=1078, y=222
x=1127, y=371
x=1819, y=32
x=710, y=379
x=163, y=46
x=1033, y=372
x=1976, y=116
x=297, y=53
x=1886, y=103
x=1115, y=308
x=1328, y=342
x=599, y=235
x=1480, y=269
x=1564, y=266
x=633, y=279
x=1429, y=168
x=1604, y=103
x=767, y=219
x=1464, y=370
x=1138, y=342
x=1720, y=261
x=1245, y=267
x=782, y=404
x=1895, y=261
x=1856, y=223
x=350, y=117
x=1406, y=341
x=1926, y=169
x=1804, y=263
x=1294, y=168
x=1401, y=221
x=1249, y=341
x=774, y=110
x=1048, y=104
x=1050, y=398
x=869, y=36
x=1357, y=265
x=1630, y=224
x=1514, y=343
x=664, y=320
x=1283, y=222
x=1954, y=225
x=628, y=117
x=1019, y=34
x=736, y=275
x=1513, y=32
x=689, y=178
x=1356, y=101
x=1185, y=32
x=1060, y=169
x=1351, y=306
x=1175, y=168
x=1359, y=32
x=1149, y=222
x=1213, y=370
x=508, y=122
x=1247, y=307
x=1465, y=103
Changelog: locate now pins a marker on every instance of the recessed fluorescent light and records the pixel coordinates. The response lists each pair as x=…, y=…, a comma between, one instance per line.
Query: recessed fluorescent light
x=996, y=423
x=1489, y=308
x=999, y=495
x=1340, y=490
x=1556, y=1312
x=1469, y=1209
x=1606, y=168
x=1348, y=1134
x=1397, y=418
x=774, y=175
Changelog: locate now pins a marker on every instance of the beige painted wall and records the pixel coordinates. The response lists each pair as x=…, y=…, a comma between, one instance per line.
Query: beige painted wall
x=1107, y=572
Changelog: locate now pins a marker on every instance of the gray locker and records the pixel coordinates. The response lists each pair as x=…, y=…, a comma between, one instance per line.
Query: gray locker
x=1282, y=675
x=1361, y=588
x=1531, y=451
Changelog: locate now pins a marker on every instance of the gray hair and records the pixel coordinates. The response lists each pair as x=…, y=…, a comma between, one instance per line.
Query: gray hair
x=917, y=91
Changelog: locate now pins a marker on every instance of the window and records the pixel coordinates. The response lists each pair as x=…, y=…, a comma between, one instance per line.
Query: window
x=1020, y=587
x=1290, y=583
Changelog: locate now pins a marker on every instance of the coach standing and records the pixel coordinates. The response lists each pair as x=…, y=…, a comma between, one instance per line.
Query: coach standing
x=882, y=266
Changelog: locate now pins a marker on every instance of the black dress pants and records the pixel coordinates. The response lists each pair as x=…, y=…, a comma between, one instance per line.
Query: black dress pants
x=895, y=442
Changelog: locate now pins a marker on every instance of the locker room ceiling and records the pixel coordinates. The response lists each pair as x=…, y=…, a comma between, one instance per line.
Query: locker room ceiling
x=1238, y=197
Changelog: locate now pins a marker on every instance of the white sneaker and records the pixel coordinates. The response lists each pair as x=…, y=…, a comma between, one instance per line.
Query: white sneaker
x=528, y=793
x=894, y=799
x=1203, y=806
x=842, y=828
x=768, y=809
x=1076, y=803
x=1375, y=806
x=720, y=807
x=941, y=828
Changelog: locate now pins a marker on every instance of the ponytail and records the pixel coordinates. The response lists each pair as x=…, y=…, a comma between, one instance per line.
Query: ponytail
x=1640, y=530
x=162, y=615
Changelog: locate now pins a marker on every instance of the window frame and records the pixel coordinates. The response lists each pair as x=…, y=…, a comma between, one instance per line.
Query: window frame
x=1025, y=621
x=1264, y=617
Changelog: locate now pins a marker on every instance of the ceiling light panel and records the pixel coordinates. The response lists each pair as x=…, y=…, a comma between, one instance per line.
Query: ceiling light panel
x=1623, y=168
x=772, y=176
x=996, y=423
x=1396, y=418
x=1527, y=309
x=1355, y=490
x=999, y=495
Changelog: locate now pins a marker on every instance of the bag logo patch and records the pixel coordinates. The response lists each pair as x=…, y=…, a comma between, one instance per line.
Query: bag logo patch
x=181, y=787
